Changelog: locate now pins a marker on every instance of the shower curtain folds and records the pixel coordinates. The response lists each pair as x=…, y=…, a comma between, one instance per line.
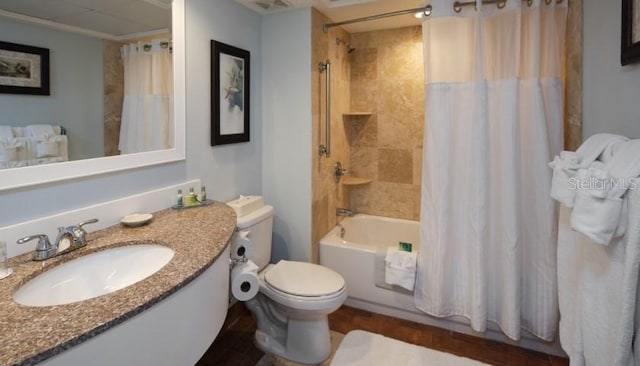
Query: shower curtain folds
x=494, y=109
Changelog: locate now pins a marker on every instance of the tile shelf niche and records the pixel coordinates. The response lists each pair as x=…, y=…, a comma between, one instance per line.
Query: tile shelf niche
x=355, y=181
x=352, y=180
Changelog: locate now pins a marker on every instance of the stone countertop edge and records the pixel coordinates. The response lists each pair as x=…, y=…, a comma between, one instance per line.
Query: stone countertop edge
x=29, y=335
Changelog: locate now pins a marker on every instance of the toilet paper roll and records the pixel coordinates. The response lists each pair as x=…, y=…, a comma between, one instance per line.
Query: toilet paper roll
x=244, y=281
x=241, y=245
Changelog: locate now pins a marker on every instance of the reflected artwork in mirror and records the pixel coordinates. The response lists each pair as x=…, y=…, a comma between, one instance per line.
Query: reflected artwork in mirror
x=116, y=91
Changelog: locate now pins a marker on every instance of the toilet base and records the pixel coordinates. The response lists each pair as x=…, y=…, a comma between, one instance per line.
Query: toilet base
x=304, y=341
x=307, y=341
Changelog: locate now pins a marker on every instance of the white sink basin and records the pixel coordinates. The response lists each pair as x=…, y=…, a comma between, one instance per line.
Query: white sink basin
x=94, y=275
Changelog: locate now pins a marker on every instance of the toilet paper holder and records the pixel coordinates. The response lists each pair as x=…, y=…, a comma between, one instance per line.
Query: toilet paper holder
x=235, y=261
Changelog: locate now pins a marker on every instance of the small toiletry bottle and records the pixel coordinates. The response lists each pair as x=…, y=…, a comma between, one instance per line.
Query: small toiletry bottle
x=203, y=195
x=179, y=198
x=190, y=199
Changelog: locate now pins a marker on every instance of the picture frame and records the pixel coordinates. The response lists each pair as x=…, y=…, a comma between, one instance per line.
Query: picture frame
x=230, y=94
x=24, y=69
x=630, y=37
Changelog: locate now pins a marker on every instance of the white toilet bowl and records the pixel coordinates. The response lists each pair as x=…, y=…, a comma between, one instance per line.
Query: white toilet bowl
x=294, y=298
x=291, y=310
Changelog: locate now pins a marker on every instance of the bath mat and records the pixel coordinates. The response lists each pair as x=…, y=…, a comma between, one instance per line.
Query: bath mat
x=369, y=349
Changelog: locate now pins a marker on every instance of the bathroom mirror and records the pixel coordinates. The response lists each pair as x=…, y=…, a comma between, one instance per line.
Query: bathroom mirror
x=38, y=174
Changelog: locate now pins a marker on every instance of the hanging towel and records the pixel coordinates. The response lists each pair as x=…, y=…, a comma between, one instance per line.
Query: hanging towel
x=45, y=150
x=598, y=293
x=599, y=204
x=400, y=268
x=565, y=166
x=39, y=130
x=11, y=150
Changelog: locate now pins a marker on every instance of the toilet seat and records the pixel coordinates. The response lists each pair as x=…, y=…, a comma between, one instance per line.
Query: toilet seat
x=303, y=279
x=330, y=301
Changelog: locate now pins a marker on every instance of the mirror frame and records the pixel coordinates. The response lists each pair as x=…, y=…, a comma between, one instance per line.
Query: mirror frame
x=41, y=174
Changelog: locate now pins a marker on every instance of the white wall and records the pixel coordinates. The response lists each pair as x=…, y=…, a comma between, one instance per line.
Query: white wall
x=611, y=92
x=226, y=171
x=286, y=103
x=76, y=78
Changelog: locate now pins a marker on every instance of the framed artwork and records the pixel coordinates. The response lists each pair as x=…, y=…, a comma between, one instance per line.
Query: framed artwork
x=24, y=69
x=630, y=37
x=230, y=94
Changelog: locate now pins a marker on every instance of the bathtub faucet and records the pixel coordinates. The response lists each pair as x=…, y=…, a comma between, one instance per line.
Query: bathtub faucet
x=344, y=212
x=342, y=230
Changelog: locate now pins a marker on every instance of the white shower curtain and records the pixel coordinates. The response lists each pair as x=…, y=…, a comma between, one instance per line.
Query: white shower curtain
x=147, y=109
x=494, y=109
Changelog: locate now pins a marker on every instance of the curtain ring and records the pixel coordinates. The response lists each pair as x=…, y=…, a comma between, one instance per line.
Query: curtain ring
x=457, y=7
x=147, y=47
x=547, y=2
x=501, y=4
x=529, y=3
x=558, y=1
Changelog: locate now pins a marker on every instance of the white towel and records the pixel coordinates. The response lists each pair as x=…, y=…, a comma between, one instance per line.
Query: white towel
x=39, y=130
x=47, y=149
x=597, y=293
x=400, y=268
x=6, y=133
x=12, y=150
x=599, y=204
x=565, y=166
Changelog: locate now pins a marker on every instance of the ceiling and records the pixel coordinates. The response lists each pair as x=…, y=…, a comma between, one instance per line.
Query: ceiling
x=121, y=19
x=340, y=10
x=115, y=18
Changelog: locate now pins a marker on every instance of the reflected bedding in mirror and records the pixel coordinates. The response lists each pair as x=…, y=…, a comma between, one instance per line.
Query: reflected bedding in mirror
x=32, y=145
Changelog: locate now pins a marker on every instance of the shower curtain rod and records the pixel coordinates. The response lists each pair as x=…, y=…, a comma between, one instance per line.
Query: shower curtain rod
x=426, y=10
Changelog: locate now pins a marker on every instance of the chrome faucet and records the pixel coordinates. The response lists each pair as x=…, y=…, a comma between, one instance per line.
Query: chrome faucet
x=338, y=172
x=342, y=230
x=344, y=212
x=69, y=239
x=44, y=248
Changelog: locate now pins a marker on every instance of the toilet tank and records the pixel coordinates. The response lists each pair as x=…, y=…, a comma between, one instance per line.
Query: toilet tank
x=258, y=222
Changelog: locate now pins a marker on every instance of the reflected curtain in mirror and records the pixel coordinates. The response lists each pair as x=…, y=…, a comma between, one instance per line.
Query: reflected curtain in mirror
x=147, y=111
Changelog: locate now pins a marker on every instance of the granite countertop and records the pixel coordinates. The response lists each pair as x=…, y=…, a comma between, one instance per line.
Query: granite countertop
x=29, y=335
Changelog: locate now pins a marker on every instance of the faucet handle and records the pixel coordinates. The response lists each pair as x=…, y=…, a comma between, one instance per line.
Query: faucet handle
x=44, y=249
x=80, y=234
x=90, y=221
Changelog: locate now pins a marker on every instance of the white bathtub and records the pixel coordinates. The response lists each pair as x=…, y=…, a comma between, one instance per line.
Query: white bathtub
x=354, y=257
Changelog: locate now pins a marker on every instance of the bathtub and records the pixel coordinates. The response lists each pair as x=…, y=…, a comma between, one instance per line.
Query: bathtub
x=357, y=257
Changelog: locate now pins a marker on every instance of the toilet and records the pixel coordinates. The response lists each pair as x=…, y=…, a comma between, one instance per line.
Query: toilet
x=294, y=299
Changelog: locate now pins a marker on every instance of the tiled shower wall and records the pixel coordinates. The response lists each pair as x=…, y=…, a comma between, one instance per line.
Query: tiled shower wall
x=327, y=194
x=113, y=95
x=573, y=77
x=387, y=80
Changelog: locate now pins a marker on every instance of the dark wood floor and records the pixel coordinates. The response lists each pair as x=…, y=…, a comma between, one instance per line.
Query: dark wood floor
x=234, y=345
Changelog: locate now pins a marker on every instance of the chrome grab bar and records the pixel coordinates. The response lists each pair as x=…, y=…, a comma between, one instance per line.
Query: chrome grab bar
x=326, y=148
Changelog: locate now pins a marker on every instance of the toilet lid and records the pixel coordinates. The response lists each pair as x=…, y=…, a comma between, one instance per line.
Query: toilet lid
x=304, y=279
